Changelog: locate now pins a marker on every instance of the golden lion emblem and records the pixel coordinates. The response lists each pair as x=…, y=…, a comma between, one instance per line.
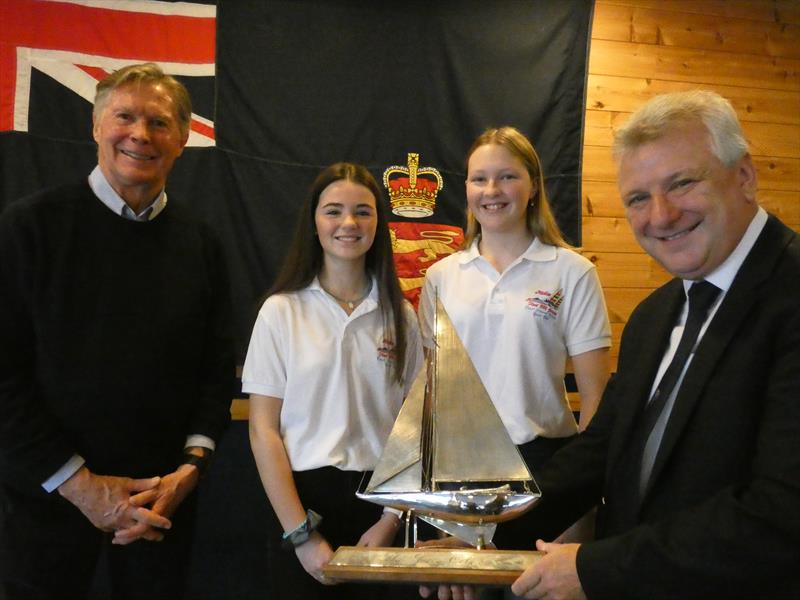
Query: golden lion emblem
x=433, y=244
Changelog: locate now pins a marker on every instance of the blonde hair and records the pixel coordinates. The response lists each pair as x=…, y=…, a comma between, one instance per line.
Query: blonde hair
x=663, y=113
x=538, y=216
x=146, y=74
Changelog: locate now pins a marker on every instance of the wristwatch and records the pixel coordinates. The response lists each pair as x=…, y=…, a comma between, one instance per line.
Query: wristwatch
x=301, y=533
x=201, y=462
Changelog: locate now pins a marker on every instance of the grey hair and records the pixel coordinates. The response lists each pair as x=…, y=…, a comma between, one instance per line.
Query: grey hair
x=663, y=113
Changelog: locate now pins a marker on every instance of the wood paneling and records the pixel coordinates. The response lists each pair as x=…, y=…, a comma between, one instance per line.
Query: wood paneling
x=240, y=409
x=695, y=66
x=622, y=300
x=626, y=94
x=747, y=50
x=765, y=139
x=627, y=269
x=781, y=11
x=613, y=234
x=668, y=26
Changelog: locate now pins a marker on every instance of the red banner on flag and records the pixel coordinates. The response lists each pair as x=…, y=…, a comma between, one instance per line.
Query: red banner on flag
x=416, y=247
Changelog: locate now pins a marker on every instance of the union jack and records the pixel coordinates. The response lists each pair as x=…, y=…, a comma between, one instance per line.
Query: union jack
x=78, y=42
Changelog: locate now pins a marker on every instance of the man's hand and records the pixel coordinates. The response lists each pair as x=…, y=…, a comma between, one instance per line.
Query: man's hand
x=449, y=592
x=106, y=501
x=162, y=499
x=554, y=576
x=445, y=591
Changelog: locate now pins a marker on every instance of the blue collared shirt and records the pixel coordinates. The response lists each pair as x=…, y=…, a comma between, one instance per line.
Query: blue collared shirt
x=103, y=190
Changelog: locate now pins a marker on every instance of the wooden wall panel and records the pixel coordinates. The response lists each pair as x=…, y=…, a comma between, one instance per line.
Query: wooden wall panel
x=781, y=11
x=765, y=139
x=667, y=26
x=626, y=94
x=747, y=50
x=784, y=204
x=692, y=65
x=627, y=269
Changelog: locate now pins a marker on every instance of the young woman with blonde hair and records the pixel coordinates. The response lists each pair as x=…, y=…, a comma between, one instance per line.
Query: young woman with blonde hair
x=523, y=302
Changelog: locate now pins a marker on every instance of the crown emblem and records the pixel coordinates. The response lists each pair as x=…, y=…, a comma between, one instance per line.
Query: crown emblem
x=412, y=191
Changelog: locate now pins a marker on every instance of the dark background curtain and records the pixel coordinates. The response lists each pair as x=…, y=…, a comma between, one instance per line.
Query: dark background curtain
x=301, y=84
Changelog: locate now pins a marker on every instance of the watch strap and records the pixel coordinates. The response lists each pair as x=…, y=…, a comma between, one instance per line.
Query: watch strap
x=201, y=462
x=300, y=534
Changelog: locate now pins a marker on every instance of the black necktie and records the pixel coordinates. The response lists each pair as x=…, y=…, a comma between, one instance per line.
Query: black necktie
x=701, y=298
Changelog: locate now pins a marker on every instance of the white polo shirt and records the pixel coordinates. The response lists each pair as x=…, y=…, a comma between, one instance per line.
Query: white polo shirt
x=519, y=327
x=334, y=374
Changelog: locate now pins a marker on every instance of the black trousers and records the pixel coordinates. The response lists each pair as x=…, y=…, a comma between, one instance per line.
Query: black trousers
x=49, y=550
x=330, y=492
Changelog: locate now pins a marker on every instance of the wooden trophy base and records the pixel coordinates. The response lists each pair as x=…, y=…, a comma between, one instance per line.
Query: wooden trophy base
x=429, y=565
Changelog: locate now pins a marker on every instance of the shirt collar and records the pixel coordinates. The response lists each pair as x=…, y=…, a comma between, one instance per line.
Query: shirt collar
x=103, y=190
x=723, y=275
x=536, y=252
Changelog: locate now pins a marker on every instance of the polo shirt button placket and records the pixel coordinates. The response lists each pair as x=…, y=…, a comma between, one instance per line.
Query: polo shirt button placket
x=497, y=300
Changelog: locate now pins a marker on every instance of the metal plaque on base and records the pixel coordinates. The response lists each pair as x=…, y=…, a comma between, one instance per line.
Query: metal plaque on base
x=429, y=565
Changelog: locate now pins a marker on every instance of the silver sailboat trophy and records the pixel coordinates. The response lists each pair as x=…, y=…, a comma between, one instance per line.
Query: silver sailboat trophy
x=449, y=461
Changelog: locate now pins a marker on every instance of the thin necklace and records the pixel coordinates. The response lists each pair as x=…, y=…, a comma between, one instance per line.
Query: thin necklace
x=351, y=304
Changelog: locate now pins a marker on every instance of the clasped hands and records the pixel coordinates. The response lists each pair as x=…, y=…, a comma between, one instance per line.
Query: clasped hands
x=132, y=508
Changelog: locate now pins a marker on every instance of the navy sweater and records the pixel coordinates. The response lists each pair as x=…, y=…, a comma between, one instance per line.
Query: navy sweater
x=116, y=338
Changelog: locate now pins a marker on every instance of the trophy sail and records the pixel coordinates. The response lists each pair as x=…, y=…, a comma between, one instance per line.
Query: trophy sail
x=449, y=457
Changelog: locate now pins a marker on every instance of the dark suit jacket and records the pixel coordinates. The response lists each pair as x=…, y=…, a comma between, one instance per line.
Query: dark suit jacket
x=721, y=515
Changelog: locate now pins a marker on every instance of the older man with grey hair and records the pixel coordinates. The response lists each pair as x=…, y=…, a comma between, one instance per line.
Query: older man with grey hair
x=116, y=364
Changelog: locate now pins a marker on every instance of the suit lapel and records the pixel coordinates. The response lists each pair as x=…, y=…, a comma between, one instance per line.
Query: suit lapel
x=736, y=307
x=644, y=359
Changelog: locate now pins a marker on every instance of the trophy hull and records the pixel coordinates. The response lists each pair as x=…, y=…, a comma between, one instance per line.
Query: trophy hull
x=469, y=507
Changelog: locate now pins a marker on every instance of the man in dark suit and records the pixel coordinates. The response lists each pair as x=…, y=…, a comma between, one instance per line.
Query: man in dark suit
x=695, y=467
x=116, y=360
x=705, y=502
x=694, y=463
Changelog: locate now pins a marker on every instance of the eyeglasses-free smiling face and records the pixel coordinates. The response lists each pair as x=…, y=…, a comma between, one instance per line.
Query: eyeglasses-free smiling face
x=499, y=189
x=686, y=209
x=346, y=220
x=138, y=140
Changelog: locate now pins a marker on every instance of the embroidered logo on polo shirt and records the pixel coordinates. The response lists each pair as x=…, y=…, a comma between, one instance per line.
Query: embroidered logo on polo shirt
x=386, y=351
x=544, y=304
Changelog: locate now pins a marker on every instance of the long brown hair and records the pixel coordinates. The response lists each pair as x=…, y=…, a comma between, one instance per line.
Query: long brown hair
x=538, y=216
x=305, y=257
